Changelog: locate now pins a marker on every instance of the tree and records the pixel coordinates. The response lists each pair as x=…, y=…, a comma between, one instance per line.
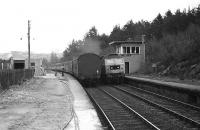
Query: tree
x=104, y=39
x=116, y=34
x=165, y=32
x=45, y=62
x=54, y=58
x=92, y=34
x=129, y=30
x=156, y=27
x=73, y=50
x=197, y=15
x=168, y=14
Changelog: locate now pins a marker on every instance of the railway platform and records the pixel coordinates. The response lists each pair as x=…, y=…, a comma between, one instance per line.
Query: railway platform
x=47, y=103
x=42, y=103
x=180, y=91
x=168, y=83
x=85, y=116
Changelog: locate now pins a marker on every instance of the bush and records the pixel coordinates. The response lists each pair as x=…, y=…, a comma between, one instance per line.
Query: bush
x=177, y=52
x=174, y=48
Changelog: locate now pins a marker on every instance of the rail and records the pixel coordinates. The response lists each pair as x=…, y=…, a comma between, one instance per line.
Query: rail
x=120, y=115
x=98, y=107
x=136, y=113
x=150, y=101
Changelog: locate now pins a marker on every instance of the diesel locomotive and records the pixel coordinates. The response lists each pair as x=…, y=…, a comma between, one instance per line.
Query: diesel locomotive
x=113, y=69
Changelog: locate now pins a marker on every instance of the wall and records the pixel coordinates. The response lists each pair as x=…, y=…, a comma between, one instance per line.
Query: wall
x=38, y=63
x=136, y=61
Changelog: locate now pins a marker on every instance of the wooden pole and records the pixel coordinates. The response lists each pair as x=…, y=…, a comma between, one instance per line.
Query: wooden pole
x=29, y=65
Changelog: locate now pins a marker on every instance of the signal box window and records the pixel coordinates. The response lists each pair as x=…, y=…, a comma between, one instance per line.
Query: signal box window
x=137, y=50
x=133, y=49
x=128, y=50
x=124, y=50
x=117, y=50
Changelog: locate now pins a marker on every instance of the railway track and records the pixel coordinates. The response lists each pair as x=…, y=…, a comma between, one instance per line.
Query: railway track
x=187, y=111
x=160, y=113
x=118, y=114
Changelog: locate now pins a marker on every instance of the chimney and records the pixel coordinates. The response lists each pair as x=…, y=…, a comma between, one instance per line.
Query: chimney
x=143, y=38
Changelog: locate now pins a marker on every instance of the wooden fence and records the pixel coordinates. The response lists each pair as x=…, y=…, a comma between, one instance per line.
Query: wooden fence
x=12, y=77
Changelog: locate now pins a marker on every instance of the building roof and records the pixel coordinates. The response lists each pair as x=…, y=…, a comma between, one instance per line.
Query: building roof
x=138, y=39
x=125, y=42
x=19, y=58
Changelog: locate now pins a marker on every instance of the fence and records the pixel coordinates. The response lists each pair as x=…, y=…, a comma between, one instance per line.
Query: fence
x=12, y=77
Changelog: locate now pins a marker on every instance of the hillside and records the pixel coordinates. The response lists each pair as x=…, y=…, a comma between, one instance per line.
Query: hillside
x=24, y=55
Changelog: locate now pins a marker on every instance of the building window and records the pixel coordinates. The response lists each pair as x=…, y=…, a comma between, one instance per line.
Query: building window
x=117, y=50
x=133, y=49
x=32, y=64
x=137, y=50
x=128, y=50
x=124, y=50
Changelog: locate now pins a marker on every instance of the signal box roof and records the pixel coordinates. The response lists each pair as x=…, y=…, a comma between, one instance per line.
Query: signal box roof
x=125, y=42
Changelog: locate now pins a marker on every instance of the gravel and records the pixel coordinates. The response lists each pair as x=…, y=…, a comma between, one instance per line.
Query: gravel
x=42, y=103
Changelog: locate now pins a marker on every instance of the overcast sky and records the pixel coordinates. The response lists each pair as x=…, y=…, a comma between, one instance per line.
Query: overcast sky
x=54, y=23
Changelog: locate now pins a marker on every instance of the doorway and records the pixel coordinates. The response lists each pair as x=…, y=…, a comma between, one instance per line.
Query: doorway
x=126, y=67
x=19, y=65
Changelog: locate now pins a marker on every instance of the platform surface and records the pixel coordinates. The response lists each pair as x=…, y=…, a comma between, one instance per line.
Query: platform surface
x=85, y=117
x=43, y=103
x=172, y=84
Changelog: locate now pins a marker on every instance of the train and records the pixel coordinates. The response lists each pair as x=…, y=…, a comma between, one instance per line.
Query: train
x=91, y=69
x=113, y=69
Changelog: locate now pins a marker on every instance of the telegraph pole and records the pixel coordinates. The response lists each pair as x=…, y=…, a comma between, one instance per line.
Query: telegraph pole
x=29, y=65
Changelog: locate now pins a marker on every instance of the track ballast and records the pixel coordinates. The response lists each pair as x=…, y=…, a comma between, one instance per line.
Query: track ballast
x=134, y=109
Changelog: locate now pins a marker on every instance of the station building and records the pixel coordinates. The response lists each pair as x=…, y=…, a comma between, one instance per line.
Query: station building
x=35, y=63
x=133, y=52
x=19, y=63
